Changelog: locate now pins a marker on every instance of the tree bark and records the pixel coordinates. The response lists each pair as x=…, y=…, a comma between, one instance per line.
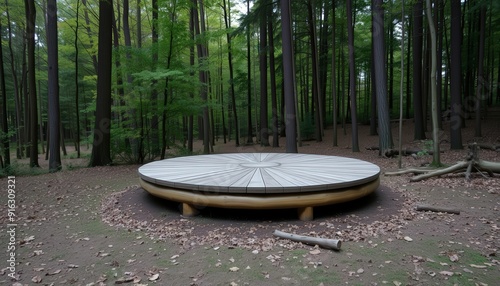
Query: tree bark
x=227, y=21
x=456, y=117
x=316, y=93
x=321, y=242
x=384, y=124
x=480, y=72
x=352, y=77
x=33, y=109
x=434, y=100
x=101, y=147
x=272, y=73
x=5, y=127
x=53, y=87
x=417, y=71
x=288, y=77
x=264, y=126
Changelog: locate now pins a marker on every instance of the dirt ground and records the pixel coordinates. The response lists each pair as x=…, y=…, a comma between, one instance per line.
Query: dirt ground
x=96, y=226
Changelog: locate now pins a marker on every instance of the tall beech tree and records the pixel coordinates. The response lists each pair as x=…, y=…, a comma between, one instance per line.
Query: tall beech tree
x=288, y=77
x=101, y=146
x=5, y=125
x=384, y=124
x=418, y=113
x=53, y=87
x=33, y=108
x=456, y=117
x=352, y=77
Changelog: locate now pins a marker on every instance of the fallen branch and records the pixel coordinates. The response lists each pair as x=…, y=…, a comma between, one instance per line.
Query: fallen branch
x=489, y=146
x=471, y=164
x=421, y=207
x=321, y=242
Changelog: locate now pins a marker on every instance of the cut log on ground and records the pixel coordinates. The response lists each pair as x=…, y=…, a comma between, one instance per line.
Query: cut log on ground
x=389, y=153
x=422, y=207
x=489, y=146
x=321, y=242
x=470, y=165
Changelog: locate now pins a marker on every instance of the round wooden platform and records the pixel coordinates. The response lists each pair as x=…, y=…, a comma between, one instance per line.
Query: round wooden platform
x=260, y=180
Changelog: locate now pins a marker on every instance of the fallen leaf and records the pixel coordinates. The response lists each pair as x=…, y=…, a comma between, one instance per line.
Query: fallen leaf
x=36, y=279
x=154, y=277
x=360, y=270
x=453, y=258
x=234, y=269
x=122, y=280
x=478, y=266
x=407, y=238
x=55, y=272
x=315, y=252
x=447, y=273
x=397, y=283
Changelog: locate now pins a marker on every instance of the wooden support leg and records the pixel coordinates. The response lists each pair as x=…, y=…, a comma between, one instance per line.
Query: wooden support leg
x=189, y=210
x=305, y=213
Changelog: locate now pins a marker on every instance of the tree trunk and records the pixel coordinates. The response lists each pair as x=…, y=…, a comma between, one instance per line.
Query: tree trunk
x=249, y=83
x=434, y=100
x=384, y=124
x=264, y=127
x=101, y=149
x=89, y=33
x=456, y=117
x=53, y=87
x=272, y=69
x=417, y=71
x=5, y=127
x=33, y=109
x=334, y=79
x=352, y=77
x=288, y=77
x=202, y=57
x=480, y=72
x=316, y=93
x=227, y=21
x=155, y=136
x=77, y=90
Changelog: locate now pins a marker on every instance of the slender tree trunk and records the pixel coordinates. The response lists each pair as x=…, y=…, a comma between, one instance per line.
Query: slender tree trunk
x=138, y=17
x=352, y=77
x=272, y=68
x=417, y=71
x=480, y=72
x=288, y=77
x=33, y=109
x=201, y=49
x=334, y=79
x=227, y=21
x=155, y=138
x=456, y=117
x=19, y=119
x=264, y=126
x=384, y=124
x=77, y=90
x=401, y=93
x=101, y=149
x=434, y=100
x=408, y=74
x=53, y=87
x=5, y=126
x=167, y=89
x=249, y=83
x=318, y=118
x=89, y=33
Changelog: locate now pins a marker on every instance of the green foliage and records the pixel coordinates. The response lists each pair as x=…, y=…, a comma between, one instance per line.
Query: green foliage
x=427, y=146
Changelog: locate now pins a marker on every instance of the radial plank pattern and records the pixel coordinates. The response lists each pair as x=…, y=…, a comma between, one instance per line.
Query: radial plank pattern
x=259, y=172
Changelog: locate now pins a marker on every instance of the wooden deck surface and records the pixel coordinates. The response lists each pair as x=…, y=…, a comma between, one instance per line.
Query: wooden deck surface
x=259, y=173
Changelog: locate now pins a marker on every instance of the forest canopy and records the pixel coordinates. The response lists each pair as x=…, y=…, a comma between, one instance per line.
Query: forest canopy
x=131, y=79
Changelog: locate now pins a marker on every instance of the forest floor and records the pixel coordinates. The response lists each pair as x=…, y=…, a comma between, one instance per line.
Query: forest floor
x=96, y=226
